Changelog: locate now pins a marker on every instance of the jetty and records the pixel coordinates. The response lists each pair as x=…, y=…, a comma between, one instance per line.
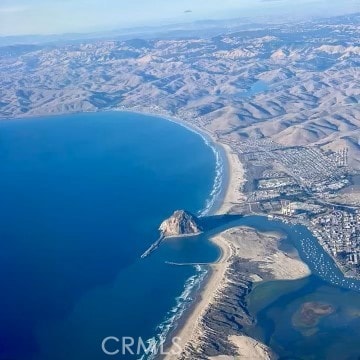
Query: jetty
x=153, y=247
x=187, y=264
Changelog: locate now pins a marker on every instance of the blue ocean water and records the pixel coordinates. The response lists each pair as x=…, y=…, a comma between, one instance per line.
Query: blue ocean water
x=81, y=197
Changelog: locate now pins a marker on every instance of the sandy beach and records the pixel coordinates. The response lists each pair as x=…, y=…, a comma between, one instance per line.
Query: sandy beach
x=209, y=292
x=236, y=179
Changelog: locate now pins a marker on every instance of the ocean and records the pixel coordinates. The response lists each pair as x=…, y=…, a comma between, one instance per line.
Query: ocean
x=82, y=197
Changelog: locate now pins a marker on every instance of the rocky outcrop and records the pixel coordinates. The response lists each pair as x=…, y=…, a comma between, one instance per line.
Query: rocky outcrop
x=181, y=223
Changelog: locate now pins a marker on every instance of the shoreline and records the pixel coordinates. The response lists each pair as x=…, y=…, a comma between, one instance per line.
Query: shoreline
x=208, y=290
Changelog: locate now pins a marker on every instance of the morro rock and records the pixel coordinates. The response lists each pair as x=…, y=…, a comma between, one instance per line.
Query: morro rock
x=181, y=223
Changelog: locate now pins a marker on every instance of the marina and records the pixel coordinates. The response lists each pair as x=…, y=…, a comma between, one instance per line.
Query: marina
x=310, y=250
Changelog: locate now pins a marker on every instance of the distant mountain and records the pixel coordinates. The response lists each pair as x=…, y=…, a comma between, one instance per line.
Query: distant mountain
x=205, y=73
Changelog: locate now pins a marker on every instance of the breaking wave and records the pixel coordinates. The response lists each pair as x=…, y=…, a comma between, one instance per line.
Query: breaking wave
x=182, y=302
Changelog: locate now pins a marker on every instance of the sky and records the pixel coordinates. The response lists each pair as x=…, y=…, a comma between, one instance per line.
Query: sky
x=30, y=17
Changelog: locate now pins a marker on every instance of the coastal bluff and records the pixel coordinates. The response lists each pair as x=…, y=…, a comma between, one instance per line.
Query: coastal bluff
x=180, y=223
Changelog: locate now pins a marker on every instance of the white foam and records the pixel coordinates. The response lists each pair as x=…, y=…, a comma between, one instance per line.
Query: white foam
x=218, y=180
x=175, y=313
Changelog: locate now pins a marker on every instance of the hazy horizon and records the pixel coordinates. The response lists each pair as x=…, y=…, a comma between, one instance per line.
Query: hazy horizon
x=38, y=17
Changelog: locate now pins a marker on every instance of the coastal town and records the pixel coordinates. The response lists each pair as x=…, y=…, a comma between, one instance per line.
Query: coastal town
x=299, y=189
x=300, y=185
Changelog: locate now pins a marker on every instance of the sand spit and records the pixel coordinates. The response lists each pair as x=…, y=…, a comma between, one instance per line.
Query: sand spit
x=247, y=256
